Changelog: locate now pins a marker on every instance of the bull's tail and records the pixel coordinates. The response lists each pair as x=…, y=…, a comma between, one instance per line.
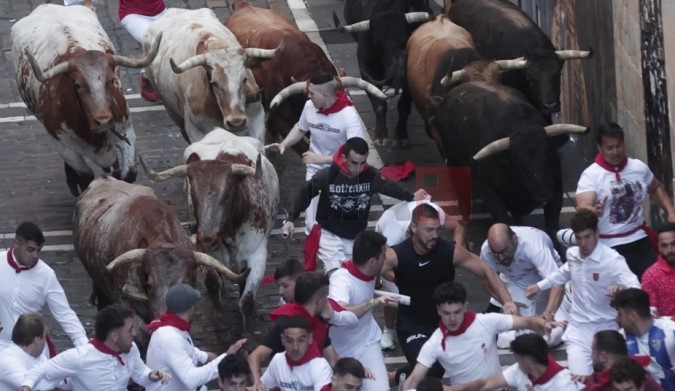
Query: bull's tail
x=98, y=298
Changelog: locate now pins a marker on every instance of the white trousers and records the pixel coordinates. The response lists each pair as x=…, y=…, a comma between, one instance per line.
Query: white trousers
x=137, y=25
x=373, y=359
x=334, y=250
x=578, y=339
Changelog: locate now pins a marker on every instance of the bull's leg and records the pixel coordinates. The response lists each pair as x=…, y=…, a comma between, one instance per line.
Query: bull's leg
x=404, y=105
x=257, y=262
x=497, y=207
x=85, y=180
x=380, y=109
x=214, y=285
x=72, y=179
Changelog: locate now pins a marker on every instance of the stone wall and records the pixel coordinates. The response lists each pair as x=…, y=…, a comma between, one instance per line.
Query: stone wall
x=669, y=43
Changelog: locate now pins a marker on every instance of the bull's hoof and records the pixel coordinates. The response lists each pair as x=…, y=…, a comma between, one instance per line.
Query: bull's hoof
x=401, y=143
x=380, y=141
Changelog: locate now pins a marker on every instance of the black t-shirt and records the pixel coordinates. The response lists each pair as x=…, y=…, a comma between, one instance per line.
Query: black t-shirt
x=418, y=275
x=273, y=338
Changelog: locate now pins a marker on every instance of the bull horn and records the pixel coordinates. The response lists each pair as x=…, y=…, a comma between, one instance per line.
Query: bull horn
x=179, y=171
x=265, y=53
x=357, y=27
x=51, y=72
x=188, y=64
x=242, y=169
x=209, y=261
x=140, y=62
x=134, y=255
x=496, y=146
x=416, y=17
x=454, y=77
x=558, y=129
x=517, y=63
x=293, y=89
x=573, y=54
x=258, y=166
x=349, y=81
x=133, y=292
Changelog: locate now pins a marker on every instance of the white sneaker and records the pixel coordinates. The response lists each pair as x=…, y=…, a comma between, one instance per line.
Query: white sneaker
x=387, y=341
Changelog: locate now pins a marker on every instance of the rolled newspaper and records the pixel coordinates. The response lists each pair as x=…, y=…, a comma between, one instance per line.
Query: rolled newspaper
x=402, y=299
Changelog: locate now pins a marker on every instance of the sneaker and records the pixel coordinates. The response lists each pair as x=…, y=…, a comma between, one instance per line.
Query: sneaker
x=147, y=92
x=387, y=341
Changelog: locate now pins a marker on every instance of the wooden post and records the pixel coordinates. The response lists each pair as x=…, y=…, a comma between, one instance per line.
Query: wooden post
x=659, y=154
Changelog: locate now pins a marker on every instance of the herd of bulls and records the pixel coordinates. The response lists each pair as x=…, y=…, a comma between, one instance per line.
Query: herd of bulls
x=218, y=80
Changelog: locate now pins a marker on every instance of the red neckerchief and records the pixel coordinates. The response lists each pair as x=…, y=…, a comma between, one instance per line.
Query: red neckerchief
x=552, y=369
x=615, y=169
x=600, y=380
x=327, y=387
x=340, y=103
x=101, y=347
x=469, y=317
x=309, y=356
x=319, y=326
x=340, y=162
x=354, y=271
x=15, y=265
x=169, y=318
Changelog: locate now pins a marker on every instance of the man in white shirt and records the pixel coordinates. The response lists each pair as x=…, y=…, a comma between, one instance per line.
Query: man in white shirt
x=535, y=369
x=27, y=284
x=523, y=256
x=352, y=289
x=300, y=366
x=614, y=187
x=171, y=346
x=233, y=373
x=465, y=343
x=28, y=342
x=597, y=273
x=106, y=363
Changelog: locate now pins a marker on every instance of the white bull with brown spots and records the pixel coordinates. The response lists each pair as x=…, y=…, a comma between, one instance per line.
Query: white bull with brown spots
x=201, y=75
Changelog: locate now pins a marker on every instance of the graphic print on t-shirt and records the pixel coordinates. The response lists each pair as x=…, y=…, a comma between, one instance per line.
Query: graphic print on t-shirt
x=324, y=127
x=625, y=201
x=356, y=197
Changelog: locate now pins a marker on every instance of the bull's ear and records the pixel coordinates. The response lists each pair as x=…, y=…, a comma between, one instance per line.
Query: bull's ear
x=201, y=48
x=253, y=62
x=192, y=158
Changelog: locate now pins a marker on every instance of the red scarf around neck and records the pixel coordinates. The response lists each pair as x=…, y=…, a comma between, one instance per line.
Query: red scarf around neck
x=101, y=347
x=339, y=161
x=311, y=354
x=319, y=326
x=469, y=317
x=354, y=271
x=552, y=369
x=340, y=103
x=169, y=318
x=15, y=265
x=615, y=169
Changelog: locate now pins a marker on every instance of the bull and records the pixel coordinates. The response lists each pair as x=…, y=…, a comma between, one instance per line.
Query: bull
x=501, y=30
x=233, y=195
x=201, y=75
x=67, y=74
x=134, y=248
x=381, y=29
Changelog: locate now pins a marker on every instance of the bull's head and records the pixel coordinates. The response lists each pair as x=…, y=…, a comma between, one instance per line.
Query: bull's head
x=95, y=80
x=148, y=274
x=231, y=83
x=345, y=81
x=482, y=70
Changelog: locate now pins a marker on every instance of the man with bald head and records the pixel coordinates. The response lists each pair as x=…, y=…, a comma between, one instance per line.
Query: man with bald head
x=522, y=256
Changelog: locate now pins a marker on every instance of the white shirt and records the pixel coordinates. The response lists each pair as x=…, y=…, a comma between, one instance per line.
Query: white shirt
x=28, y=292
x=173, y=351
x=89, y=369
x=534, y=259
x=352, y=340
x=394, y=222
x=15, y=363
x=663, y=339
x=329, y=132
x=312, y=375
x=623, y=209
x=590, y=279
x=562, y=381
x=471, y=355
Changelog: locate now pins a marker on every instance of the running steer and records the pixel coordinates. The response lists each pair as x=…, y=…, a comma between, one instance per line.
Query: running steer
x=67, y=74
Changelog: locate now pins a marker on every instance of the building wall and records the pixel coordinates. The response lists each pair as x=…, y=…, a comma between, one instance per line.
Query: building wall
x=669, y=43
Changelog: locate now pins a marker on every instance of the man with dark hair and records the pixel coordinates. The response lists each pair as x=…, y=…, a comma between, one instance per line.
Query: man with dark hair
x=27, y=284
x=596, y=273
x=614, y=187
x=28, y=342
x=351, y=290
x=171, y=346
x=299, y=367
x=345, y=190
x=285, y=275
x=332, y=119
x=646, y=336
x=311, y=293
x=233, y=373
x=608, y=347
x=348, y=375
x=534, y=368
x=430, y=383
x=465, y=343
x=107, y=362
x=627, y=375
x=659, y=279
x=423, y=262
